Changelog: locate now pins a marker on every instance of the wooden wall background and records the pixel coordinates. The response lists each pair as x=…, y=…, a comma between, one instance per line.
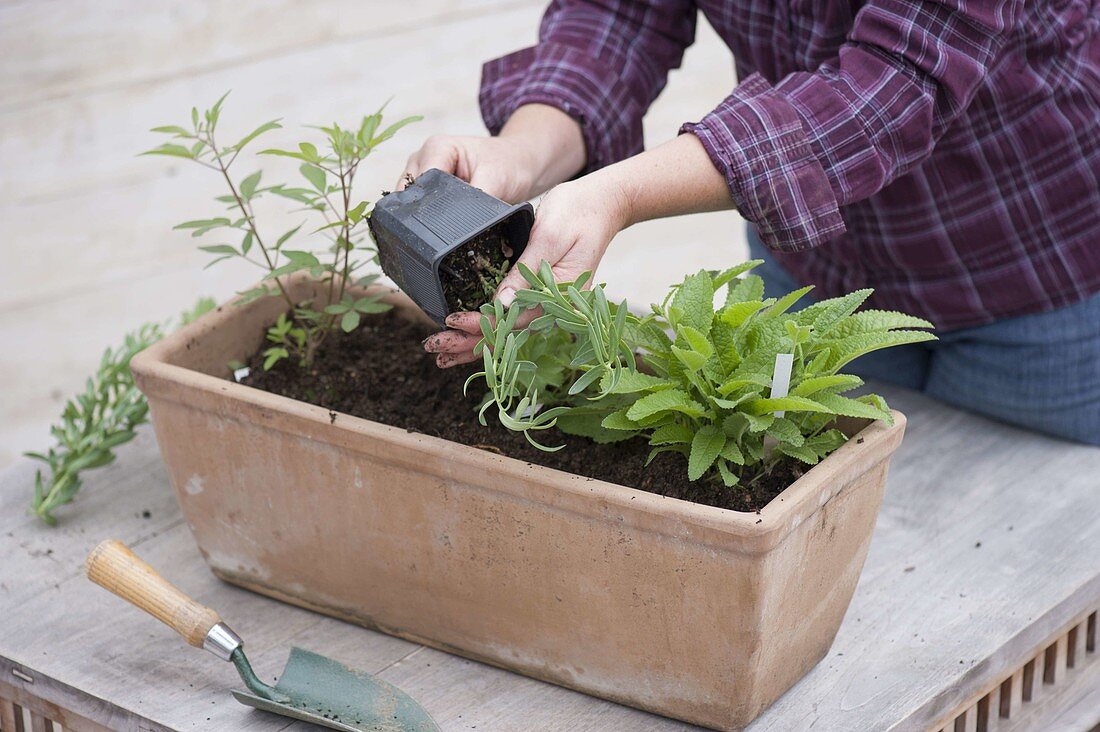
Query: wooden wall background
x=86, y=246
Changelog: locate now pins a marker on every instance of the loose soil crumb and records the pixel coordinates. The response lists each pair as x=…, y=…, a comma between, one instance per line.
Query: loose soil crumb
x=470, y=274
x=380, y=372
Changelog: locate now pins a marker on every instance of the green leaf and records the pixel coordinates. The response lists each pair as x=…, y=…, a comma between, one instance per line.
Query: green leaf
x=203, y=224
x=285, y=237
x=728, y=478
x=220, y=249
x=803, y=452
x=284, y=154
x=784, y=303
x=618, y=421
x=826, y=442
x=731, y=452
x=392, y=129
x=634, y=381
x=695, y=298
x=315, y=176
x=867, y=321
x=589, y=425
x=355, y=215
x=309, y=152
x=371, y=304
x=265, y=127
x=273, y=356
x=833, y=384
x=668, y=400
x=705, y=447
x=692, y=360
x=671, y=434
x=786, y=431
x=786, y=404
x=751, y=287
x=737, y=313
x=736, y=271
x=837, y=309
x=350, y=321
x=852, y=347
x=697, y=340
x=175, y=151
x=850, y=407
x=248, y=185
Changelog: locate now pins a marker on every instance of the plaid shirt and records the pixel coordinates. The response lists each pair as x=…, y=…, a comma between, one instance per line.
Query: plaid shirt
x=946, y=153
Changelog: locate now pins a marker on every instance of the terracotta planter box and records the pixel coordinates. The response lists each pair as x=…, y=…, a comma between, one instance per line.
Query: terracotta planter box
x=694, y=612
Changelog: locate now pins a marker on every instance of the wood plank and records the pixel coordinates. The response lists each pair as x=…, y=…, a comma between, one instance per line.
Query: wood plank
x=914, y=645
x=1073, y=706
x=90, y=50
x=30, y=704
x=465, y=694
x=936, y=512
x=7, y=715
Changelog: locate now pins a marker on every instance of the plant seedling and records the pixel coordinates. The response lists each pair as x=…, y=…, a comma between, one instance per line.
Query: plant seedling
x=329, y=173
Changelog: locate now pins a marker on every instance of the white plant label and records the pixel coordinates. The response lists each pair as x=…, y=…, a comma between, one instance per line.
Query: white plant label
x=781, y=377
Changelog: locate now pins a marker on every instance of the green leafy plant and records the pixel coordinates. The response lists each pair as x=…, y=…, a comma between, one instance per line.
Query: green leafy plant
x=97, y=420
x=329, y=172
x=688, y=377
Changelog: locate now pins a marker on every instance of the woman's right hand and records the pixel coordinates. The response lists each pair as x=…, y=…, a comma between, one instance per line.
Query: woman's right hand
x=501, y=166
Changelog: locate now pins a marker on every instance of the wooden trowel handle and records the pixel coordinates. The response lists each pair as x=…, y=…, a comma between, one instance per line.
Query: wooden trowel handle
x=113, y=566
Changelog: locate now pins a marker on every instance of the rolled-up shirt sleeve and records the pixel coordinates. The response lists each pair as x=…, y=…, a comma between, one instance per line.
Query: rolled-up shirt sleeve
x=602, y=63
x=794, y=152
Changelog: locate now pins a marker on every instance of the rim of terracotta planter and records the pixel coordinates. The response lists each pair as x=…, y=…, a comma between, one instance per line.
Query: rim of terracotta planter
x=157, y=375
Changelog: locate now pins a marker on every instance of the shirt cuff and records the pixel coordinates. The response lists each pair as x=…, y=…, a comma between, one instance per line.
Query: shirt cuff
x=570, y=80
x=755, y=138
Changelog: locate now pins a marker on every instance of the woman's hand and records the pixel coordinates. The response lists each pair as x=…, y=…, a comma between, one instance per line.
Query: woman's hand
x=539, y=147
x=500, y=166
x=576, y=221
x=574, y=225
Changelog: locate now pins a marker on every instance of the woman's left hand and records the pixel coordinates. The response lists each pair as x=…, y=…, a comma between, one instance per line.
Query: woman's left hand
x=574, y=225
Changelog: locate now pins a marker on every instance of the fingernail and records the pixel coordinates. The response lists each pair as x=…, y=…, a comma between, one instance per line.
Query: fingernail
x=507, y=296
x=430, y=344
x=451, y=319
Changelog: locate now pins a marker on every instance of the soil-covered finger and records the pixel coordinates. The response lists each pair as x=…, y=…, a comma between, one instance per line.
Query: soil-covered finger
x=447, y=360
x=450, y=341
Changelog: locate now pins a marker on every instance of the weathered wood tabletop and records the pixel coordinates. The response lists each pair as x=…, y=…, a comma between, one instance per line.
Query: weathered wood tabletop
x=987, y=548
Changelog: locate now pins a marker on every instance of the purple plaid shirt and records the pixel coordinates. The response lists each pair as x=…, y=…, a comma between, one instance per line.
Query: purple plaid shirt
x=944, y=152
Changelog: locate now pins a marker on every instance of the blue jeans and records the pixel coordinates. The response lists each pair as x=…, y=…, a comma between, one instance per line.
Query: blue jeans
x=1037, y=371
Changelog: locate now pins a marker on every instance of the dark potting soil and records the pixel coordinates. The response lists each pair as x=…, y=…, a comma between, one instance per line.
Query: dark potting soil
x=381, y=372
x=470, y=274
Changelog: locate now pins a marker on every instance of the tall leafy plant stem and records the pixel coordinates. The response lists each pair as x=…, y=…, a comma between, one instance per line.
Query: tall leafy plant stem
x=223, y=168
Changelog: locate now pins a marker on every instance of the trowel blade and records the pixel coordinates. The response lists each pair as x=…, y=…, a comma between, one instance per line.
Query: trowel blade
x=330, y=694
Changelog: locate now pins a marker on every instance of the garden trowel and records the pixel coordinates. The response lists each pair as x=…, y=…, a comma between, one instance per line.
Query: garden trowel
x=311, y=688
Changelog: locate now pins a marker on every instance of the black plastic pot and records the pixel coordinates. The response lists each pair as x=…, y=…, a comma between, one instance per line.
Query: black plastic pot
x=415, y=229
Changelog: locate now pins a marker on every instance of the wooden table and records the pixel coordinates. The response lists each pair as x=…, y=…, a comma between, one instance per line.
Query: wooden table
x=977, y=609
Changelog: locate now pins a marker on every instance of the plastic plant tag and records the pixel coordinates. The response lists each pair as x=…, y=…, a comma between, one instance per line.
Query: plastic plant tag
x=781, y=377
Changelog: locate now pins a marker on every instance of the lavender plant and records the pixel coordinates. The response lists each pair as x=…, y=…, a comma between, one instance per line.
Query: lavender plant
x=328, y=169
x=99, y=419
